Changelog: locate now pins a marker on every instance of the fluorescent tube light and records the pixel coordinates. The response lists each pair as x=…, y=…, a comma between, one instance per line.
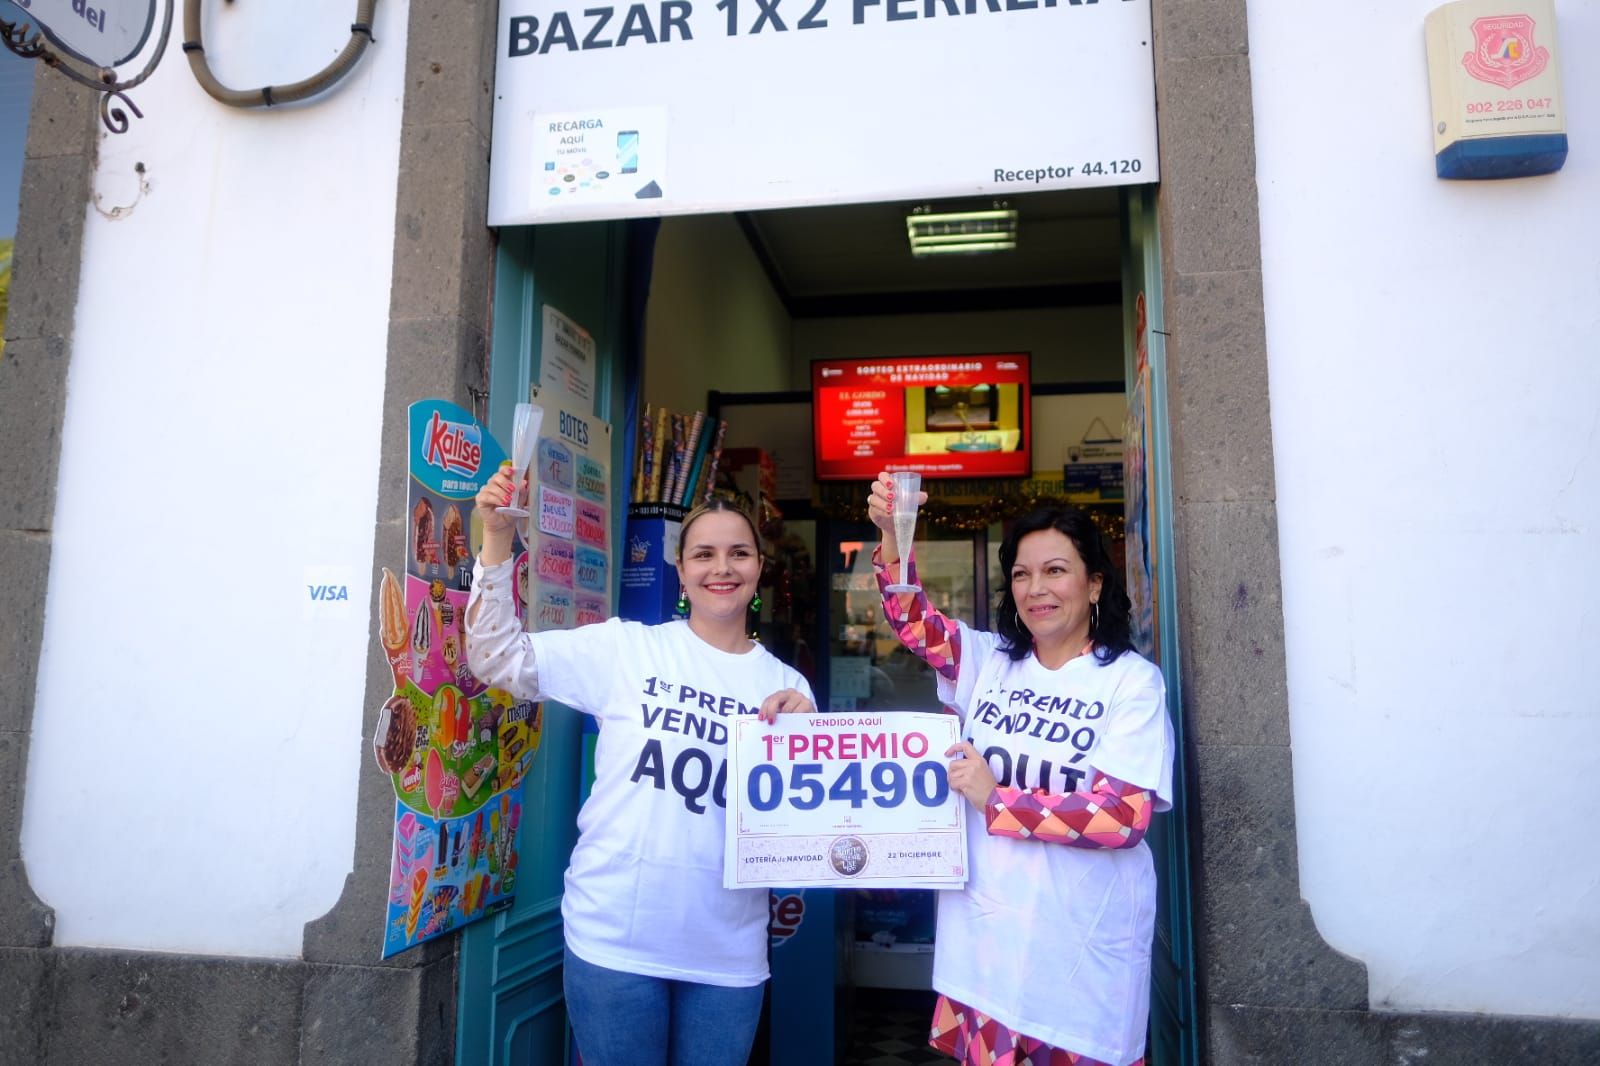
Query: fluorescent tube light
x=991, y=229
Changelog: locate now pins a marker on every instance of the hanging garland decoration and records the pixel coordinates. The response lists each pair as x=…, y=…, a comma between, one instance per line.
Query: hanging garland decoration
x=848, y=503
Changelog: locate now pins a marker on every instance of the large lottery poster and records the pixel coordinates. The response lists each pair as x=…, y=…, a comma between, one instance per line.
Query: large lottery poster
x=455, y=750
x=570, y=527
x=829, y=800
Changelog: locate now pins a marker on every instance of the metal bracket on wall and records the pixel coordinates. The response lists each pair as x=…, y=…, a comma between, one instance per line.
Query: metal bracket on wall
x=22, y=39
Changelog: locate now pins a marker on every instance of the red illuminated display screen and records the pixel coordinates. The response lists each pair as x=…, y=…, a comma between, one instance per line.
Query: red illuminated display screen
x=941, y=416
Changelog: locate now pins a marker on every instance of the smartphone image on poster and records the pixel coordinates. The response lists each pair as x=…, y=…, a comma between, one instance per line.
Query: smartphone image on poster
x=628, y=151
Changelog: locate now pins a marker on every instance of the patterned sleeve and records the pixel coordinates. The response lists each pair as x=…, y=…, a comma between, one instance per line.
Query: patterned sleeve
x=1114, y=815
x=499, y=653
x=920, y=626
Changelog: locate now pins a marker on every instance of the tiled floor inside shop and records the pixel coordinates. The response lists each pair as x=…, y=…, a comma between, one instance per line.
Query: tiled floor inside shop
x=891, y=1029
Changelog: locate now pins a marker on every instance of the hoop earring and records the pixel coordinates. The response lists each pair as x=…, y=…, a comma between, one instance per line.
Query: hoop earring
x=1094, y=617
x=683, y=602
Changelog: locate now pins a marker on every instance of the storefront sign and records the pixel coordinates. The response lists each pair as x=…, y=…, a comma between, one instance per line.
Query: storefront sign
x=105, y=33
x=455, y=750
x=844, y=800
x=613, y=111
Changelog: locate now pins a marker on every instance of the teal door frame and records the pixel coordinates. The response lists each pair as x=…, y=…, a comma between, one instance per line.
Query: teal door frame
x=511, y=1011
x=510, y=1006
x=1174, y=1027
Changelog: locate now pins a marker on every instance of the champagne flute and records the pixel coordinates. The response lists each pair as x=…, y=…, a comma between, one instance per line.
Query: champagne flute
x=907, y=487
x=524, y=436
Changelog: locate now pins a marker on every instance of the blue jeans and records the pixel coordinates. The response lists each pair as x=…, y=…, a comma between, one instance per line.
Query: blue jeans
x=627, y=1019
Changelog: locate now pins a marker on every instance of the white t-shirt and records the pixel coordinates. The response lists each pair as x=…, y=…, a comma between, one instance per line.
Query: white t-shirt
x=644, y=888
x=1050, y=940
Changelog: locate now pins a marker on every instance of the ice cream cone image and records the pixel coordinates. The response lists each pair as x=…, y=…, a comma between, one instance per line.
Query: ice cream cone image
x=436, y=603
x=392, y=625
x=419, y=885
x=421, y=642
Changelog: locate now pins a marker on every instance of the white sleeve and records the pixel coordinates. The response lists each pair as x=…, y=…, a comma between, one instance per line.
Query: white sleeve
x=976, y=647
x=499, y=653
x=581, y=667
x=1137, y=747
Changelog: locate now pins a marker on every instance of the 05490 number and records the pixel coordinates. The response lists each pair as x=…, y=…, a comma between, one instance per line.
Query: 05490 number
x=888, y=785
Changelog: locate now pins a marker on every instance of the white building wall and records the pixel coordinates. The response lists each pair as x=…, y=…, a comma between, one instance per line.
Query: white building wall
x=196, y=738
x=1434, y=352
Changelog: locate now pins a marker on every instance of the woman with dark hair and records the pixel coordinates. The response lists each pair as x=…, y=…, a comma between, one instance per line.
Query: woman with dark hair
x=1044, y=956
x=663, y=965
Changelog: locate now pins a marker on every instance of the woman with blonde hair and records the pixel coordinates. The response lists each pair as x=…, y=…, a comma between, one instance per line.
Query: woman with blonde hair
x=663, y=965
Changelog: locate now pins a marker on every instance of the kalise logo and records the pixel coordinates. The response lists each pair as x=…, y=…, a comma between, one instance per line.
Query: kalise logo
x=452, y=446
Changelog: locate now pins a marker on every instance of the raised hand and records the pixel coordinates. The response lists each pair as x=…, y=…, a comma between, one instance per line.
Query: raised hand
x=880, y=502
x=497, y=528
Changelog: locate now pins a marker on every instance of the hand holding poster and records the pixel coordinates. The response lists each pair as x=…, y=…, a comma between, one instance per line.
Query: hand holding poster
x=844, y=799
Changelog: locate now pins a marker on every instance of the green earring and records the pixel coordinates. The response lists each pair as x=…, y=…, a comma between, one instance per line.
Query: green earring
x=683, y=602
x=755, y=604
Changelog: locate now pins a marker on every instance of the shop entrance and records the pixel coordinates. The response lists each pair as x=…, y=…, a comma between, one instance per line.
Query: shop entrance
x=738, y=307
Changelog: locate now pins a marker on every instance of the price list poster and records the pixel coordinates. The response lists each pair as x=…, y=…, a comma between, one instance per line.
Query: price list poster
x=455, y=750
x=569, y=536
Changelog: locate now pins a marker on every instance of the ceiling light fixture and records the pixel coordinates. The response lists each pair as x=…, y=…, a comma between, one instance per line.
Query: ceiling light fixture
x=991, y=229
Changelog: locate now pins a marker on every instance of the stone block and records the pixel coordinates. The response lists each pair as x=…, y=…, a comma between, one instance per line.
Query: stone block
x=1209, y=216
x=1231, y=609
x=373, y=1014
x=441, y=266
x=63, y=118
x=22, y=990
x=1255, y=1036
x=1254, y=935
x=1217, y=382
x=428, y=359
x=46, y=260
x=450, y=57
x=33, y=398
x=25, y=921
x=1193, y=29
x=117, y=1008
x=1449, y=1038
x=24, y=567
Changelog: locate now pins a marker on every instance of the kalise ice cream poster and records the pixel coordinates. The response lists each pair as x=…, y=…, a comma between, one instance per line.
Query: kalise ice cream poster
x=455, y=750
